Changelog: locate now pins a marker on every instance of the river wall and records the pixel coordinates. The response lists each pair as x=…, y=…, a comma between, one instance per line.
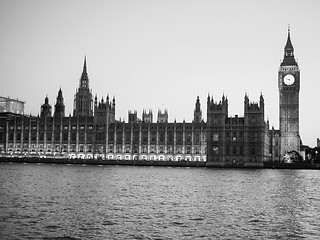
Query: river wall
x=267, y=165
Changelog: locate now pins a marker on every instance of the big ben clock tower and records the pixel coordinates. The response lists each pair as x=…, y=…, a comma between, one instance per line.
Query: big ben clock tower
x=289, y=87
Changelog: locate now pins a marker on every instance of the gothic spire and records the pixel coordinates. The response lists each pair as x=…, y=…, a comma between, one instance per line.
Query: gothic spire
x=46, y=100
x=59, y=108
x=84, y=80
x=288, y=59
x=289, y=44
x=85, y=65
x=60, y=93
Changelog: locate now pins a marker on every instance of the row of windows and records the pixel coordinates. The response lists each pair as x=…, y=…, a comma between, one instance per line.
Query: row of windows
x=49, y=128
x=100, y=149
x=233, y=150
x=235, y=136
x=155, y=127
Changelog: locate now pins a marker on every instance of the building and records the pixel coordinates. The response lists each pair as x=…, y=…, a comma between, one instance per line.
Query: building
x=237, y=140
x=287, y=138
x=97, y=134
x=83, y=97
x=289, y=87
x=11, y=105
x=94, y=132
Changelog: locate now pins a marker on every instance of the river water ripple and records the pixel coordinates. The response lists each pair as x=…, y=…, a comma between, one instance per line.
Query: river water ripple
x=43, y=201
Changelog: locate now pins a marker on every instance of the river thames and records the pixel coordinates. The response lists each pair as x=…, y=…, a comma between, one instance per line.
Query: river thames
x=45, y=201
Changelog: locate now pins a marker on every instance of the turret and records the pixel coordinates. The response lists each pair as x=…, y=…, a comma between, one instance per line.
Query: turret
x=59, y=108
x=132, y=117
x=46, y=108
x=254, y=111
x=95, y=102
x=197, y=115
x=104, y=111
x=162, y=117
x=147, y=117
x=217, y=112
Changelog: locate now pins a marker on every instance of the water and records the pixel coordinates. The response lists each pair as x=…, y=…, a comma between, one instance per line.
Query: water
x=42, y=201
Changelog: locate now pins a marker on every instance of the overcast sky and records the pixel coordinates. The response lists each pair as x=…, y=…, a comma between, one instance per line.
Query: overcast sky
x=161, y=54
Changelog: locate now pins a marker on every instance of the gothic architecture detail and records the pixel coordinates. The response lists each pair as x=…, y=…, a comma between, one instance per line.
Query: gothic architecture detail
x=94, y=132
x=83, y=96
x=197, y=115
x=289, y=87
x=162, y=117
x=59, y=108
x=236, y=140
x=147, y=117
x=46, y=108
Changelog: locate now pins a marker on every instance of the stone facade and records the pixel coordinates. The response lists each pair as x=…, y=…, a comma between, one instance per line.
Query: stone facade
x=289, y=87
x=94, y=132
x=237, y=140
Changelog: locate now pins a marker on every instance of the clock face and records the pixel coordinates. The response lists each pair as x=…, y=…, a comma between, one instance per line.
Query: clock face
x=288, y=79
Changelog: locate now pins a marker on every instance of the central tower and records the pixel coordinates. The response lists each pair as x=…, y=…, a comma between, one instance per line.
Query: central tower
x=83, y=97
x=289, y=87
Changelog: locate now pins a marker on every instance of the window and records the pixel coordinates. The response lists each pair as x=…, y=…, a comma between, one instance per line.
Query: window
x=161, y=149
x=110, y=149
x=179, y=138
x=128, y=149
x=170, y=137
x=161, y=137
x=188, y=137
x=144, y=149
x=215, y=137
x=188, y=150
x=152, y=148
x=119, y=148
x=197, y=150
x=215, y=150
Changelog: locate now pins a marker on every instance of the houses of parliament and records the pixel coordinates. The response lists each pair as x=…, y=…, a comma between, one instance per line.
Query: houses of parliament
x=93, y=132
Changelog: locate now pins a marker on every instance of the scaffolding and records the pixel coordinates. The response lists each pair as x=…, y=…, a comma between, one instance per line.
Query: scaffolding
x=11, y=105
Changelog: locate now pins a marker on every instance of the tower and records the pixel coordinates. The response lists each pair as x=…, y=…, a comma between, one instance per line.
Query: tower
x=197, y=114
x=147, y=117
x=104, y=111
x=255, y=145
x=254, y=111
x=132, y=117
x=217, y=114
x=289, y=87
x=83, y=96
x=59, y=108
x=162, y=117
x=46, y=108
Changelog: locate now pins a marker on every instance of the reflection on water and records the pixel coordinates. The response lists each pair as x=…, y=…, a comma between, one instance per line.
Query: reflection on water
x=40, y=201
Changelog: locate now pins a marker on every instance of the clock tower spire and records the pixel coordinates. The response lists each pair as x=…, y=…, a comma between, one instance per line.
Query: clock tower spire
x=289, y=87
x=288, y=59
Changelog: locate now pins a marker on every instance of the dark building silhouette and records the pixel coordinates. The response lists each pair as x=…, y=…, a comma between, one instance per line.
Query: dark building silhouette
x=94, y=132
x=46, y=108
x=236, y=139
x=197, y=115
x=147, y=117
x=289, y=88
x=59, y=108
x=83, y=96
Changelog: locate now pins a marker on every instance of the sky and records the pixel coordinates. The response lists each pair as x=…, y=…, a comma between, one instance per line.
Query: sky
x=161, y=54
